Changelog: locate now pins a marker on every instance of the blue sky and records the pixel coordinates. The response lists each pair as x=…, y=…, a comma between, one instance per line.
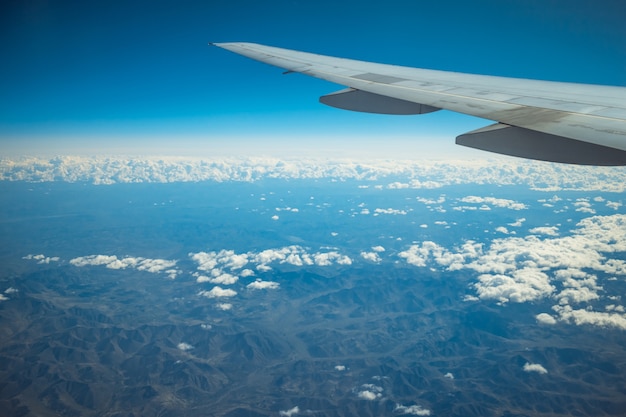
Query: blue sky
x=138, y=76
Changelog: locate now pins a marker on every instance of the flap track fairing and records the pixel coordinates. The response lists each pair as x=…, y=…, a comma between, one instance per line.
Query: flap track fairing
x=358, y=100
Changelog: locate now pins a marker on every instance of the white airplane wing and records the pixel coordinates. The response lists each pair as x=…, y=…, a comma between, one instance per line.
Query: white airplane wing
x=544, y=120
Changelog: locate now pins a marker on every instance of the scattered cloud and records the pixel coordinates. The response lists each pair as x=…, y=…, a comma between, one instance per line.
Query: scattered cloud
x=217, y=292
x=545, y=318
x=340, y=368
x=263, y=285
x=486, y=202
x=371, y=257
x=41, y=259
x=369, y=395
x=184, y=346
x=545, y=230
x=290, y=412
x=523, y=269
x=141, y=264
x=415, y=410
x=589, y=317
x=535, y=367
x=449, y=375
x=518, y=222
x=389, y=211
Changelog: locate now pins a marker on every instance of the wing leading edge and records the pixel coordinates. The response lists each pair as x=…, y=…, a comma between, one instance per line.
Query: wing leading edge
x=544, y=120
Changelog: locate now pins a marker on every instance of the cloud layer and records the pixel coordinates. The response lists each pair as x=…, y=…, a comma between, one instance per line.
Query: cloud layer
x=416, y=174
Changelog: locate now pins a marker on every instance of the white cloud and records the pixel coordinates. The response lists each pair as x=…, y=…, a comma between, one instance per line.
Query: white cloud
x=371, y=256
x=41, y=259
x=223, y=279
x=614, y=204
x=545, y=230
x=184, y=346
x=289, y=413
x=141, y=264
x=449, y=375
x=535, y=367
x=275, y=217
x=263, y=285
x=11, y=290
x=369, y=395
x=520, y=286
x=246, y=273
x=217, y=292
x=419, y=174
x=340, y=368
x=378, y=248
x=518, y=222
x=415, y=410
x=497, y=202
x=502, y=229
x=224, y=306
x=3, y=297
x=390, y=211
x=531, y=268
x=583, y=316
x=545, y=318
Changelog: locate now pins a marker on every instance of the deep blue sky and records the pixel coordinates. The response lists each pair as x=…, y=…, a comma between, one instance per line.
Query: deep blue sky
x=138, y=76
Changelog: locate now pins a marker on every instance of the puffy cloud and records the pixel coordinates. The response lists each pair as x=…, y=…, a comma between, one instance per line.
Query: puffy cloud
x=449, y=375
x=371, y=256
x=246, y=273
x=41, y=259
x=415, y=410
x=390, y=211
x=418, y=255
x=224, y=306
x=217, y=292
x=535, y=367
x=141, y=264
x=521, y=286
x=496, y=202
x=3, y=297
x=545, y=230
x=584, y=316
x=614, y=204
x=184, y=346
x=340, y=368
x=545, y=318
x=290, y=412
x=584, y=206
x=518, y=222
x=326, y=259
x=378, y=248
x=420, y=174
x=11, y=290
x=523, y=269
x=369, y=395
x=263, y=285
x=292, y=255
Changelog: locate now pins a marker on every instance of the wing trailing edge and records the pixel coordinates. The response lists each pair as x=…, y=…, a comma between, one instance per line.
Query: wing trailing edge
x=526, y=143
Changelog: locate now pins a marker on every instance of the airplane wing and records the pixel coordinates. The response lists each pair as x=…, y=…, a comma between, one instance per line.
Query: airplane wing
x=544, y=120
